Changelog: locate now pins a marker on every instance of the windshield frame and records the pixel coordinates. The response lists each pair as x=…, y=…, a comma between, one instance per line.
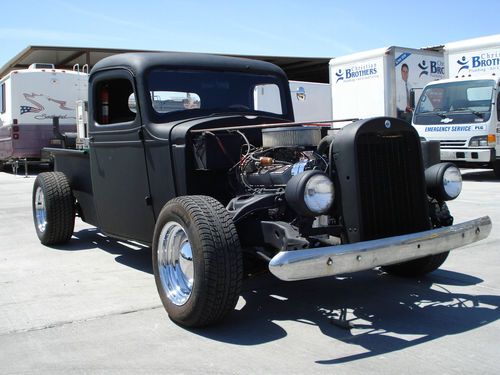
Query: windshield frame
x=265, y=78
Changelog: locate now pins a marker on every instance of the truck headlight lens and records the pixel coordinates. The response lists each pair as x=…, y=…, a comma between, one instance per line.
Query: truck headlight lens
x=480, y=141
x=318, y=194
x=444, y=181
x=310, y=193
x=452, y=182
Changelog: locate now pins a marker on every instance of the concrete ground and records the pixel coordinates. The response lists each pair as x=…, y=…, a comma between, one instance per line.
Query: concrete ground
x=91, y=307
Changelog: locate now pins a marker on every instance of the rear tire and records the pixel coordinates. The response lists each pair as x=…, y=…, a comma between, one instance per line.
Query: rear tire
x=441, y=217
x=197, y=260
x=53, y=208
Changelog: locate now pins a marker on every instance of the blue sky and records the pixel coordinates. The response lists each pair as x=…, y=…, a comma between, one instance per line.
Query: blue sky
x=255, y=27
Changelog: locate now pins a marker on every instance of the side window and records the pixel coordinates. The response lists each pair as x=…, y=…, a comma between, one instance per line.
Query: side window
x=169, y=101
x=112, y=99
x=498, y=106
x=266, y=97
x=2, y=98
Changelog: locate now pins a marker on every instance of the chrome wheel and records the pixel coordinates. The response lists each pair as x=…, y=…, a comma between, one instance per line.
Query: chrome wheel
x=175, y=263
x=40, y=211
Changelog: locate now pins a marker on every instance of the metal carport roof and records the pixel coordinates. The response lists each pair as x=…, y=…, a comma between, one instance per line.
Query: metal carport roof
x=314, y=69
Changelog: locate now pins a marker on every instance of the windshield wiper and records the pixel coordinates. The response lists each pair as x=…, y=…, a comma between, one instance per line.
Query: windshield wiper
x=477, y=113
x=438, y=112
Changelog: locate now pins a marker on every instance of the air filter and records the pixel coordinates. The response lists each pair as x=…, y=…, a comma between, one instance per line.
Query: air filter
x=291, y=137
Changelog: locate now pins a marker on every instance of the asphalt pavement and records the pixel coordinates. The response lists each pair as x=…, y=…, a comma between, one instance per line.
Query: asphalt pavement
x=91, y=306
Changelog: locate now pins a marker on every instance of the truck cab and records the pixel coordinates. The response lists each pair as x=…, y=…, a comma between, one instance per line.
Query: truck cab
x=181, y=155
x=463, y=114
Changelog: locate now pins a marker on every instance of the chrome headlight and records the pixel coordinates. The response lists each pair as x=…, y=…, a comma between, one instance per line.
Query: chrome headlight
x=444, y=181
x=310, y=193
x=452, y=182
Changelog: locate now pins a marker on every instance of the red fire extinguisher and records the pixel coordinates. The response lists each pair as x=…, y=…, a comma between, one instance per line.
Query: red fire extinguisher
x=104, y=98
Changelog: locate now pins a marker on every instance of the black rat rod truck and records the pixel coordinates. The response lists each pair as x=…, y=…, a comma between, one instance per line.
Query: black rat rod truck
x=198, y=157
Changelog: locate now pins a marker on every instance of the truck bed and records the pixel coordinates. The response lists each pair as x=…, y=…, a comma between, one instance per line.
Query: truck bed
x=75, y=164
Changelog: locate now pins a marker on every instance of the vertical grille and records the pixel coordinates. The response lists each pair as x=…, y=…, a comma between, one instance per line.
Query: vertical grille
x=391, y=188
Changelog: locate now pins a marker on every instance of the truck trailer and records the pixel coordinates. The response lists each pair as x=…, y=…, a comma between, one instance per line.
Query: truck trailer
x=29, y=100
x=462, y=111
x=381, y=82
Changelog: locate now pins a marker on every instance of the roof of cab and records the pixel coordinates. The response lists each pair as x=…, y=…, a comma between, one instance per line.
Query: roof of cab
x=140, y=62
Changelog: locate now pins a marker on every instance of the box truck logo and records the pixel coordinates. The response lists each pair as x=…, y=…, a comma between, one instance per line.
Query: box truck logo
x=340, y=76
x=434, y=69
x=483, y=62
x=424, y=69
x=486, y=60
x=357, y=72
x=463, y=63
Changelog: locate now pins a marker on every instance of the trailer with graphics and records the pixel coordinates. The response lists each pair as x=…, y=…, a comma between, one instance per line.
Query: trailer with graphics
x=462, y=112
x=381, y=82
x=29, y=100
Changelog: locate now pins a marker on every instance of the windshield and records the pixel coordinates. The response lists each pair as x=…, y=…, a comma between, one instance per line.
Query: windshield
x=471, y=99
x=183, y=94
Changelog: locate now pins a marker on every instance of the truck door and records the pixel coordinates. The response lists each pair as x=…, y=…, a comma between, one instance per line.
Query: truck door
x=118, y=166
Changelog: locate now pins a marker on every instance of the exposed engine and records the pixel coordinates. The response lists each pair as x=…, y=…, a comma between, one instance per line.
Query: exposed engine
x=286, y=152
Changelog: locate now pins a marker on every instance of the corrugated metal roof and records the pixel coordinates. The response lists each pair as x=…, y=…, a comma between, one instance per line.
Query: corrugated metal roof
x=313, y=69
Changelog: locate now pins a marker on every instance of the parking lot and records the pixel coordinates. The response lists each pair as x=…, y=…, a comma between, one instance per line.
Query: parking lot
x=92, y=306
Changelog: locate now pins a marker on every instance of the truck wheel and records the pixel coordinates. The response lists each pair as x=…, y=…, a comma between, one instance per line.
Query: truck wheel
x=197, y=260
x=441, y=217
x=53, y=208
x=496, y=168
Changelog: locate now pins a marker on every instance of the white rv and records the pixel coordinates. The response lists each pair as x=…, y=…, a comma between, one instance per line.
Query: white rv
x=463, y=112
x=380, y=82
x=29, y=100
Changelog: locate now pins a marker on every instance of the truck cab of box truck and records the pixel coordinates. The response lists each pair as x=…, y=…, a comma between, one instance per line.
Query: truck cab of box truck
x=462, y=112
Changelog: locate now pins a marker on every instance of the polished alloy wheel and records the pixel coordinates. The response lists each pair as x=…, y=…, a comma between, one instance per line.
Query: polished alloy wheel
x=175, y=263
x=40, y=211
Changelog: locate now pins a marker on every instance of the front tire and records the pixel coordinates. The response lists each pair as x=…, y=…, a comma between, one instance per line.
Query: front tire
x=197, y=260
x=496, y=168
x=53, y=208
x=440, y=217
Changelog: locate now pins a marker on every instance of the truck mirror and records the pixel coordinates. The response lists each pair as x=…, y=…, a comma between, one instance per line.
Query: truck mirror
x=132, y=105
x=412, y=98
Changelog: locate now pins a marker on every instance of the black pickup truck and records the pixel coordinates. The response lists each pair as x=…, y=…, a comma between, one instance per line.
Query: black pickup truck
x=199, y=157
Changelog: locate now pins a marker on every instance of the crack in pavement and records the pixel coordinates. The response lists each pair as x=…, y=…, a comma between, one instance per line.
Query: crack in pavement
x=63, y=323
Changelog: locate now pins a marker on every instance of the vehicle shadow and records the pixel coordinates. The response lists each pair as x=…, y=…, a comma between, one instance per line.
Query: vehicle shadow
x=128, y=253
x=386, y=313
x=479, y=175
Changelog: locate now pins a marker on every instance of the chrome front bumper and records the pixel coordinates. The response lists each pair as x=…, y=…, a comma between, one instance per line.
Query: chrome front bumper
x=360, y=256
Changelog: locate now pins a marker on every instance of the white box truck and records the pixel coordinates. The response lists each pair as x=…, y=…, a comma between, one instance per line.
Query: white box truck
x=29, y=100
x=311, y=101
x=380, y=82
x=462, y=111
